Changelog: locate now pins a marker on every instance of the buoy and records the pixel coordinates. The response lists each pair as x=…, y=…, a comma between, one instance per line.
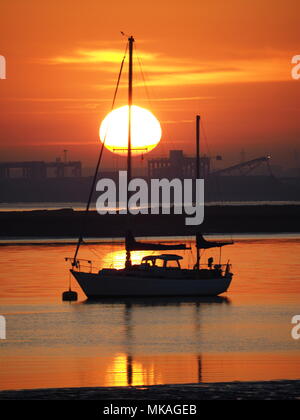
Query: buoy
x=69, y=296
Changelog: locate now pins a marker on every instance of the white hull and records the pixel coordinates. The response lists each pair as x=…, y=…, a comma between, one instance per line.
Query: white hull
x=97, y=285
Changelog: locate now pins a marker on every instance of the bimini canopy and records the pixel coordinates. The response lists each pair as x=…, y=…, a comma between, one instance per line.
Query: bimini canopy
x=202, y=243
x=163, y=257
x=132, y=245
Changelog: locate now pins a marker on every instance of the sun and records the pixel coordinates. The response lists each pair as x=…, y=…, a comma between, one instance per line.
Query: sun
x=145, y=130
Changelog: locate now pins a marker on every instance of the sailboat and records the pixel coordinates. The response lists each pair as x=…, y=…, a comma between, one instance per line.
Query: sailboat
x=156, y=275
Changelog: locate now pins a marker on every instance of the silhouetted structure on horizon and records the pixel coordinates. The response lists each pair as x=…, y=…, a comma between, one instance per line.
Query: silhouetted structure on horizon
x=177, y=165
x=40, y=169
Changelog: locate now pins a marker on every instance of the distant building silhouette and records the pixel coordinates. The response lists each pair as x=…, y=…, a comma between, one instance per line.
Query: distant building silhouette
x=40, y=169
x=177, y=165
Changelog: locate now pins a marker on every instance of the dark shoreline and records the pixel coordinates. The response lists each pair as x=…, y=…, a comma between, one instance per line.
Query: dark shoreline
x=217, y=220
x=262, y=390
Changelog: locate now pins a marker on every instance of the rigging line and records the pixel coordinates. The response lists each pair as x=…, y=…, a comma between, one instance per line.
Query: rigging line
x=217, y=178
x=217, y=182
x=144, y=80
x=143, y=77
x=98, y=165
x=171, y=143
x=95, y=254
x=92, y=249
x=150, y=101
x=205, y=137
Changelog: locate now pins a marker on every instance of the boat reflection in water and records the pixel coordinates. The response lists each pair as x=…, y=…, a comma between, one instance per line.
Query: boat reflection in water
x=125, y=370
x=130, y=369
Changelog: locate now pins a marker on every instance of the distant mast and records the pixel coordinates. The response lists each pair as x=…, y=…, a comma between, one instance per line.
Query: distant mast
x=197, y=173
x=197, y=147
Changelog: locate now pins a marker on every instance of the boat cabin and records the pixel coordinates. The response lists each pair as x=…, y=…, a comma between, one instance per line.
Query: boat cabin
x=164, y=260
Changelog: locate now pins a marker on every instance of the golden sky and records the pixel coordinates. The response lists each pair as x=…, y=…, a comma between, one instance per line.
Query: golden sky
x=229, y=61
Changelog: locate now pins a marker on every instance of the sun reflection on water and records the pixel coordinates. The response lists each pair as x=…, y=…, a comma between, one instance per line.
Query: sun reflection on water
x=125, y=371
x=116, y=259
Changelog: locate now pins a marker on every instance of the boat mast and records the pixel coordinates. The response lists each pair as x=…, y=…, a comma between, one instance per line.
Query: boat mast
x=129, y=171
x=130, y=71
x=197, y=173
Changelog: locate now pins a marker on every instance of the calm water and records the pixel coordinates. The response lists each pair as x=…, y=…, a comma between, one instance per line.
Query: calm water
x=244, y=335
x=81, y=206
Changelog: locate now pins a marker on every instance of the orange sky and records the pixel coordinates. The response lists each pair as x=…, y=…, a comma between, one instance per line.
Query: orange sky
x=229, y=61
